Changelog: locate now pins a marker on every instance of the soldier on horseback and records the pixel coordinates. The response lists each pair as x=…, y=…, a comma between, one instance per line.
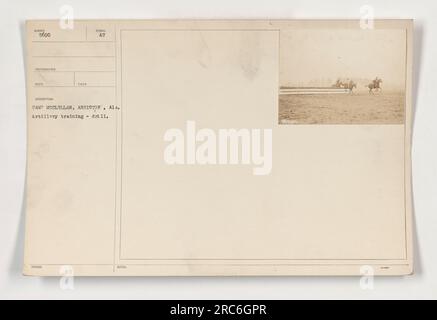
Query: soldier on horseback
x=375, y=85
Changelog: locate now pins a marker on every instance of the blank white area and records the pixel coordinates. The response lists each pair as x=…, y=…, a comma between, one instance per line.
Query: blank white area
x=12, y=161
x=333, y=193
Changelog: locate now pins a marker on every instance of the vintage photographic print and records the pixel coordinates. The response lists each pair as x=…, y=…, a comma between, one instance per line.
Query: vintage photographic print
x=342, y=76
x=154, y=148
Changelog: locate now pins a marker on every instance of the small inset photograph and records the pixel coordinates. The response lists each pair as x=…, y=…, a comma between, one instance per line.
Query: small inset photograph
x=342, y=76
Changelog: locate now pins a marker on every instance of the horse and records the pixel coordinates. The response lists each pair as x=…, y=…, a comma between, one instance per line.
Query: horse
x=349, y=85
x=337, y=84
x=374, y=85
x=345, y=85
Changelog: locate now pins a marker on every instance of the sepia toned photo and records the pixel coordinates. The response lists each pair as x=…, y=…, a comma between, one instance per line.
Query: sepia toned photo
x=146, y=142
x=342, y=76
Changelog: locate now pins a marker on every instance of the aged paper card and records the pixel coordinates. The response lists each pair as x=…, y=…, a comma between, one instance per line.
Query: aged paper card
x=250, y=147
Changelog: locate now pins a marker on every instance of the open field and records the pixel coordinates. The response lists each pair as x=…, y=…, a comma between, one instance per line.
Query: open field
x=357, y=108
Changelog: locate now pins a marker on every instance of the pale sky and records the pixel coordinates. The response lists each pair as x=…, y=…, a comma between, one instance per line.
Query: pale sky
x=308, y=55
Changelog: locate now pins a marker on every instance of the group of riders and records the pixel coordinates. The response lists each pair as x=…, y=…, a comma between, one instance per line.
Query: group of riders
x=375, y=85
